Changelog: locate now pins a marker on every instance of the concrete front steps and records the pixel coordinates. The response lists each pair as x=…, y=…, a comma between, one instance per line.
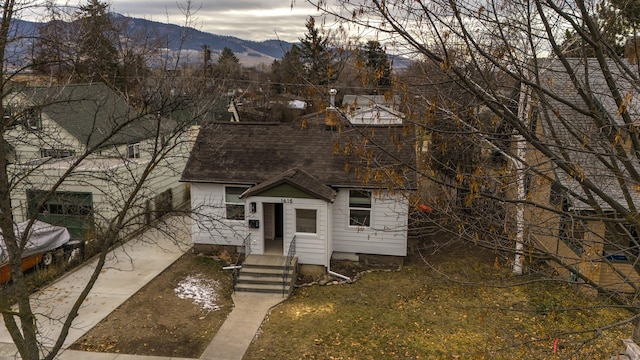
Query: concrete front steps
x=264, y=274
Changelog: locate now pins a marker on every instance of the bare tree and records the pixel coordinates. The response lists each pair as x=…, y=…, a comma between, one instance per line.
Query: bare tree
x=530, y=144
x=66, y=143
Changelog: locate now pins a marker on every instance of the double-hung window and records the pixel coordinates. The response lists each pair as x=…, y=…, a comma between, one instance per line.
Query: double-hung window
x=233, y=204
x=359, y=208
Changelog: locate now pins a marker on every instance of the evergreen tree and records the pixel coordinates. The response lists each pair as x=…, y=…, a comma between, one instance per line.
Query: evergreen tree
x=288, y=74
x=228, y=66
x=98, y=55
x=316, y=56
x=81, y=49
x=377, y=65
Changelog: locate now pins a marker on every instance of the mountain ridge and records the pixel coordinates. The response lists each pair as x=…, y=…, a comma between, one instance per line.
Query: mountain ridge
x=174, y=38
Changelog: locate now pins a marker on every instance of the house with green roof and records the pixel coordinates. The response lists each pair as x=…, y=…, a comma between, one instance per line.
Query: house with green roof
x=90, y=136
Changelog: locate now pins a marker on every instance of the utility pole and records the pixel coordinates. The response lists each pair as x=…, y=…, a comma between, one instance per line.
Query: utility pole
x=207, y=58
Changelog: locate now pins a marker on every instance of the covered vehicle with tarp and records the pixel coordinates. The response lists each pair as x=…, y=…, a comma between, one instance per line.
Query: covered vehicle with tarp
x=42, y=240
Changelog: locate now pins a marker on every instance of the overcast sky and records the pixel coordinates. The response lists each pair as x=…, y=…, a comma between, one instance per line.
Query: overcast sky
x=246, y=19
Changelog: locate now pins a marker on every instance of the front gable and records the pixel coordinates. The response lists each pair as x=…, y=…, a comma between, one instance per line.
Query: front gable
x=294, y=183
x=285, y=190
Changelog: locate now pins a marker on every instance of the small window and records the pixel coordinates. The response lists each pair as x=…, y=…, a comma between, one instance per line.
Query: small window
x=306, y=221
x=555, y=196
x=233, y=204
x=359, y=208
x=32, y=119
x=133, y=151
x=56, y=153
x=8, y=117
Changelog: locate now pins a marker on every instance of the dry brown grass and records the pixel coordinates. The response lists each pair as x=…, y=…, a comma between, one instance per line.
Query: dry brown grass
x=463, y=307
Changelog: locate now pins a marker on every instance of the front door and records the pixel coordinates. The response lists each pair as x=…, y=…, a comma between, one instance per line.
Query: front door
x=273, y=228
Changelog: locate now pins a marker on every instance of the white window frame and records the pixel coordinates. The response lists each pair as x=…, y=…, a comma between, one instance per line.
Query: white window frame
x=239, y=203
x=360, y=208
x=133, y=151
x=298, y=231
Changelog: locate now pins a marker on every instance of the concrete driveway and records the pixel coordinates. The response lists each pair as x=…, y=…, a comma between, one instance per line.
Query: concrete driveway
x=128, y=268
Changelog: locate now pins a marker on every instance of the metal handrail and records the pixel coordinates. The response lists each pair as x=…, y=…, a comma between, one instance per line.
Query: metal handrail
x=246, y=244
x=287, y=264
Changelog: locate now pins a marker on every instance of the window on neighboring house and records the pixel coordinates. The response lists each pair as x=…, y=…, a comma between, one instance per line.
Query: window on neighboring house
x=32, y=118
x=7, y=117
x=133, y=151
x=572, y=233
x=555, y=196
x=620, y=242
x=306, y=221
x=359, y=207
x=233, y=204
x=56, y=153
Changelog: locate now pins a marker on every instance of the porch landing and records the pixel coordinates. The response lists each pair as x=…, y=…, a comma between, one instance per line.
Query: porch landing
x=265, y=260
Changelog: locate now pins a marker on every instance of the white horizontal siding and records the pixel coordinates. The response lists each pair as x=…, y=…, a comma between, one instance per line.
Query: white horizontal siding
x=387, y=234
x=210, y=225
x=310, y=248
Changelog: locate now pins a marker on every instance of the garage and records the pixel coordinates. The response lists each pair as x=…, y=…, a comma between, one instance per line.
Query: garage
x=73, y=210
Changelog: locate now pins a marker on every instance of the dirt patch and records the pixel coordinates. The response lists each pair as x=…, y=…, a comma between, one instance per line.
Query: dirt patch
x=175, y=315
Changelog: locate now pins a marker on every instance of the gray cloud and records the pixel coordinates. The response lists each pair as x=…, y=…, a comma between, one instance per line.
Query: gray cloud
x=246, y=19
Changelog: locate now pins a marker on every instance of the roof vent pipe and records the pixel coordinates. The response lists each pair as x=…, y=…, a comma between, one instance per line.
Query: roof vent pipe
x=332, y=98
x=331, y=117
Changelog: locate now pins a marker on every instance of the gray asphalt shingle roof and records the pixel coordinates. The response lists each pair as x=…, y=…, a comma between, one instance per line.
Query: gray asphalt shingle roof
x=251, y=153
x=570, y=132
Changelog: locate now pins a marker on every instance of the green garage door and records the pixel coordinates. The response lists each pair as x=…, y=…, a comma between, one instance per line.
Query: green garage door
x=73, y=210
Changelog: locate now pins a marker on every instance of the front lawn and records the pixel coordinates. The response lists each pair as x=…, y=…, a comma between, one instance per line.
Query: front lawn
x=465, y=307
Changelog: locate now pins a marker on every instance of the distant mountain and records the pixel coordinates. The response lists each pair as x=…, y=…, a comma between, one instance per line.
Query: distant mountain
x=173, y=37
x=186, y=41
x=184, y=38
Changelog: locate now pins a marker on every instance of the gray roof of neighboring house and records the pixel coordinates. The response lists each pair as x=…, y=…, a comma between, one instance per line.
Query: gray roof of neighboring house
x=252, y=153
x=570, y=130
x=93, y=113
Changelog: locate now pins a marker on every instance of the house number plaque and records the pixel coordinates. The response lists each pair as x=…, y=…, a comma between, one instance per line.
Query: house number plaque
x=286, y=200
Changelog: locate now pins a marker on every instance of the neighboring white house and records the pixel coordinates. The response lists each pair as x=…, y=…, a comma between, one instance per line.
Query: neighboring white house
x=54, y=126
x=372, y=109
x=327, y=187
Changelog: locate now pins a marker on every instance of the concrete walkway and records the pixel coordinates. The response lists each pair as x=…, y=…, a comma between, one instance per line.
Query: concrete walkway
x=128, y=269
x=240, y=327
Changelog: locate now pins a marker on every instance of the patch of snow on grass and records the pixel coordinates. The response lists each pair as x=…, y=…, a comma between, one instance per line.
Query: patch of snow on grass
x=202, y=291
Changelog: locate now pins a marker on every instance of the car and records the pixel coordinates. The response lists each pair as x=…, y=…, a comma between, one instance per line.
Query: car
x=43, y=240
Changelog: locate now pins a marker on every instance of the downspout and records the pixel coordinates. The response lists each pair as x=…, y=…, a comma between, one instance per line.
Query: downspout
x=330, y=238
x=336, y=274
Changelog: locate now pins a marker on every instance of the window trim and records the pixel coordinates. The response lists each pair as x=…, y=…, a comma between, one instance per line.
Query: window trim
x=366, y=207
x=227, y=203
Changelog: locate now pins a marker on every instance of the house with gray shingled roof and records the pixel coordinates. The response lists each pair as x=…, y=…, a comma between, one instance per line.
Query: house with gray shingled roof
x=583, y=129
x=53, y=126
x=315, y=189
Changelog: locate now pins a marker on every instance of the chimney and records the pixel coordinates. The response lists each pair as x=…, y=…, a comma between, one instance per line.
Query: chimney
x=331, y=118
